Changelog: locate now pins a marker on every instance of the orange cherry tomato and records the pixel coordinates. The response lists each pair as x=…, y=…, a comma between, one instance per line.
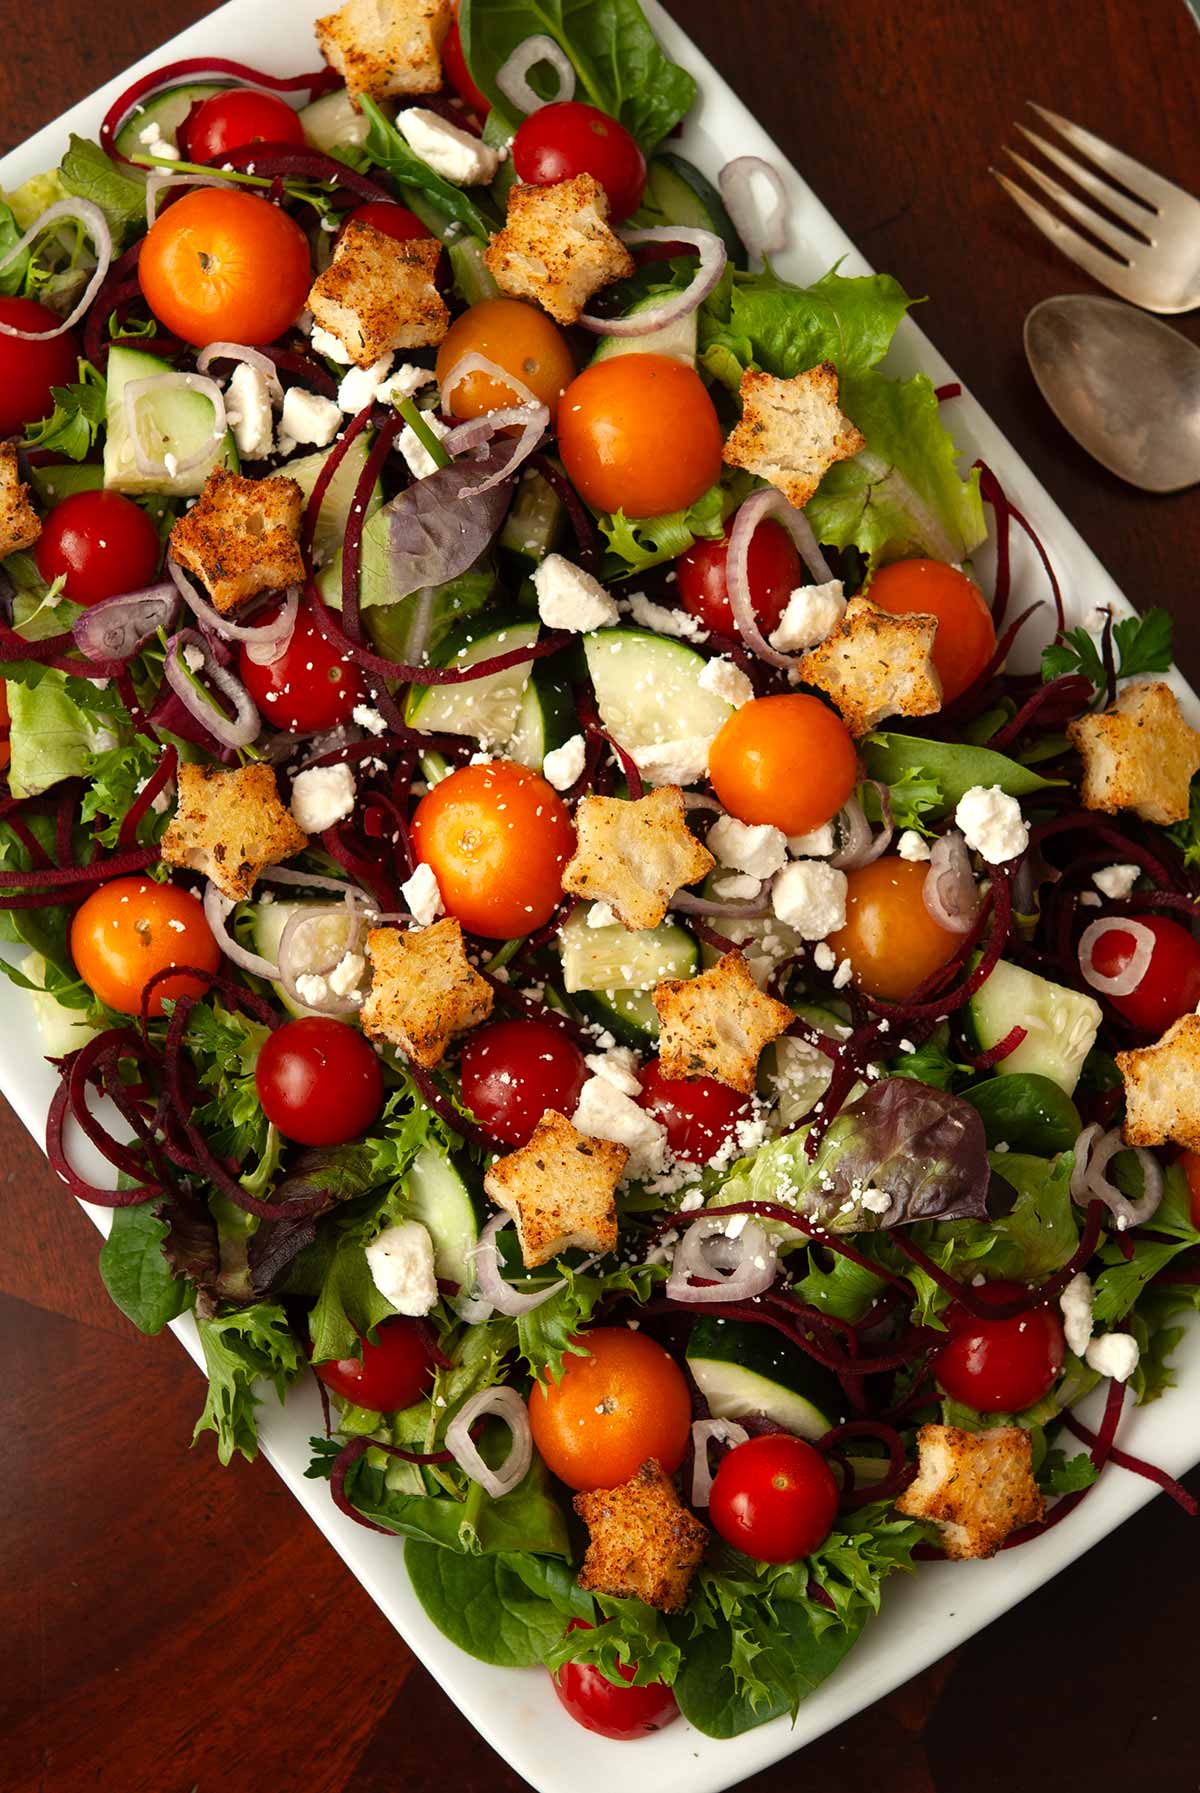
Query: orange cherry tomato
x=891, y=940
x=626, y=1401
x=132, y=928
x=518, y=338
x=966, y=638
x=639, y=434
x=784, y=760
x=1189, y=1163
x=221, y=266
x=496, y=837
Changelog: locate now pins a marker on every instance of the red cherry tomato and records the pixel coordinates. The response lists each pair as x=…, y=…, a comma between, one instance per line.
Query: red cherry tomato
x=395, y=221
x=29, y=369
x=308, y=687
x=514, y=1070
x=393, y=1373
x=774, y=1498
x=610, y=1711
x=228, y=121
x=567, y=138
x=100, y=543
x=1170, y=985
x=1000, y=1366
x=699, y=1113
x=772, y=570
x=319, y=1082
x=454, y=67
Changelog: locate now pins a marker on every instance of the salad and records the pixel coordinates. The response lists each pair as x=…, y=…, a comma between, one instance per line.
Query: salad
x=537, y=873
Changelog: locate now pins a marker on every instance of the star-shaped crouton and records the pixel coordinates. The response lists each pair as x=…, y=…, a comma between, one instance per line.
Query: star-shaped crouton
x=635, y=854
x=230, y=824
x=644, y=1544
x=1140, y=755
x=792, y=431
x=385, y=47
x=20, y=525
x=874, y=665
x=717, y=1024
x=556, y=247
x=424, y=990
x=976, y=1487
x=1162, y=1088
x=242, y=536
x=560, y=1188
x=377, y=295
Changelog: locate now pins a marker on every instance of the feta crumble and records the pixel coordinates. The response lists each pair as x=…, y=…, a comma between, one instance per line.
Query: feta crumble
x=1076, y=1304
x=322, y=796
x=721, y=678
x=913, y=846
x=562, y=766
x=1116, y=881
x=753, y=847
x=813, y=612
x=569, y=598
x=423, y=895
x=455, y=154
x=992, y=823
x=1113, y=1354
x=810, y=896
x=402, y=1267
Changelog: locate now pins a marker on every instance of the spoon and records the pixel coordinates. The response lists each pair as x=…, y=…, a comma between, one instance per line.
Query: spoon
x=1125, y=385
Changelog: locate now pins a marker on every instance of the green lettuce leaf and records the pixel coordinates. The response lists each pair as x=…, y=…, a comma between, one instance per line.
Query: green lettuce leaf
x=77, y=419
x=635, y=544
x=546, y=1335
x=52, y=736
x=759, y=320
x=952, y=766
x=239, y=1350
x=135, y=1272
x=86, y=171
x=388, y=149
x=12, y=279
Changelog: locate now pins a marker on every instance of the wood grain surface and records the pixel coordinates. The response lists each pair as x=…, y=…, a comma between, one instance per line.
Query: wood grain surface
x=169, y=1627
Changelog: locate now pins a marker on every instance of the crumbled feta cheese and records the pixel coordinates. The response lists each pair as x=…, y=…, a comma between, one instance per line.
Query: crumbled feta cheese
x=753, y=847
x=913, y=846
x=419, y=460
x=738, y=887
x=843, y=974
x=402, y=1268
x=818, y=844
x=601, y=915
x=1116, y=881
x=563, y=765
x=1076, y=1304
x=160, y=148
x=455, y=154
x=569, y=598
x=875, y=1201
x=322, y=796
x=312, y=989
x=664, y=621
x=331, y=346
x=1090, y=899
x=619, y=1066
x=347, y=974
x=423, y=895
x=723, y=679
x=810, y=896
x=824, y=957
x=307, y=417
x=1113, y=1354
x=248, y=412
x=369, y=719
x=360, y=385
x=813, y=611
x=992, y=823
x=193, y=657
x=606, y=1113
x=674, y=762
x=405, y=382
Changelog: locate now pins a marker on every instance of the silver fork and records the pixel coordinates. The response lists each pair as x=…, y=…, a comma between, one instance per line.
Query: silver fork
x=1154, y=252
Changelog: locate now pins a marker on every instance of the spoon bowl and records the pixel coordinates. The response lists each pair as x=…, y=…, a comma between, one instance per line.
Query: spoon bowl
x=1124, y=384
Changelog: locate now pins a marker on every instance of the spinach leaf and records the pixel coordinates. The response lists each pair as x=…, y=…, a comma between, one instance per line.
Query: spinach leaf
x=388, y=149
x=954, y=767
x=790, y=1662
x=1026, y=1113
x=239, y=1349
x=484, y=1604
x=86, y=171
x=135, y=1272
x=473, y=1523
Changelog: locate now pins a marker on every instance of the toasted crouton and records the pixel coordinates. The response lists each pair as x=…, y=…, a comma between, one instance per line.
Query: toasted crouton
x=242, y=536
x=644, y=1544
x=976, y=1487
x=556, y=247
x=634, y=855
x=424, y=990
x=1140, y=755
x=20, y=525
x=385, y=47
x=1162, y=1088
x=230, y=824
x=791, y=431
x=717, y=1024
x=559, y=1188
x=377, y=295
x=874, y=665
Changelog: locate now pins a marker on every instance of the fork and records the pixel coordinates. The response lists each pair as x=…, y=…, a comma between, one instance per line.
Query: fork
x=1153, y=253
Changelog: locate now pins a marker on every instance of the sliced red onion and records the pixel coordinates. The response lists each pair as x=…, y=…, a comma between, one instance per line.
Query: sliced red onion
x=533, y=420
x=753, y=511
x=267, y=640
x=690, y=904
x=1093, y=1150
x=158, y=183
x=762, y=234
x=950, y=892
x=236, y=731
x=289, y=972
x=675, y=305
x=116, y=627
x=1126, y=981
x=238, y=351
x=859, y=845
x=79, y=211
x=704, y=1433
x=217, y=910
x=503, y=1404
x=138, y=389
x=512, y=76
x=727, y=1269
x=286, y=874
x=490, y=1284
x=474, y=363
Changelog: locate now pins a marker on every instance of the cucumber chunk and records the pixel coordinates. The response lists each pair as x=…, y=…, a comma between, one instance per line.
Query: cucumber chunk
x=534, y=524
x=334, y=122
x=614, y=958
x=172, y=421
x=489, y=708
x=678, y=340
x=339, y=494
x=326, y=943
x=629, y=1015
x=1060, y=1024
x=546, y=719
x=677, y=193
x=166, y=110
x=441, y=1201
x=648, y=688
x=744, y=1370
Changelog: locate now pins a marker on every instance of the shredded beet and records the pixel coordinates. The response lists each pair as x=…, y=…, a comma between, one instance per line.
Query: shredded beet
x=1040, y=1296
x=1007, y=514
x=303, y=367
x=321, y=484
x=157, y=782
x=1137, y=1465
x=350, y=1454
x=195, y=68
x=900, y=1471
x=289, y=162
x=952, y=389
x=987, y=1061
x=630, y=771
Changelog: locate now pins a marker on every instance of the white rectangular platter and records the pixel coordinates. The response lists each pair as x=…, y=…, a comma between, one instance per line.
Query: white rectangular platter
x=935, y=1611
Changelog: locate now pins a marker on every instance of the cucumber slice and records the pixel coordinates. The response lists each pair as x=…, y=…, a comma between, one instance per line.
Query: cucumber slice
x=744, y=1370
x=678, y=340
x=266, y=922
x=629, y=1015
x=339, y=495
x=487, y=708
x=167, y=111
x=648, y=688
x=614, y=958
x=174, y=421
x=534, y=524
x=441, y=1201
x=334, y=122
x=794, y=1074
x=547, y=718
x=682, y=195
x=1060, y=1024
x=472, y=277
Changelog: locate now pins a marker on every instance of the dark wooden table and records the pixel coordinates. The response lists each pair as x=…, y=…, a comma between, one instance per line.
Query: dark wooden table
x=170, y=1626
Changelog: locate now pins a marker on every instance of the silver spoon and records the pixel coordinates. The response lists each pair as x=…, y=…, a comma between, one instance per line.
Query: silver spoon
x=1125, y=385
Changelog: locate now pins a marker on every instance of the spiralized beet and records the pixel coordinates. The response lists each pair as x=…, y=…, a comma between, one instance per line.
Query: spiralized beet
x=350, y=1454
x=195, y=68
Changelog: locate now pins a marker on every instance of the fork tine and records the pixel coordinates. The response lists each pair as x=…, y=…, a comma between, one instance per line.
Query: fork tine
x=1128, y=209
x=1141, y=180
x=1101, y=228
x=1115, y=275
